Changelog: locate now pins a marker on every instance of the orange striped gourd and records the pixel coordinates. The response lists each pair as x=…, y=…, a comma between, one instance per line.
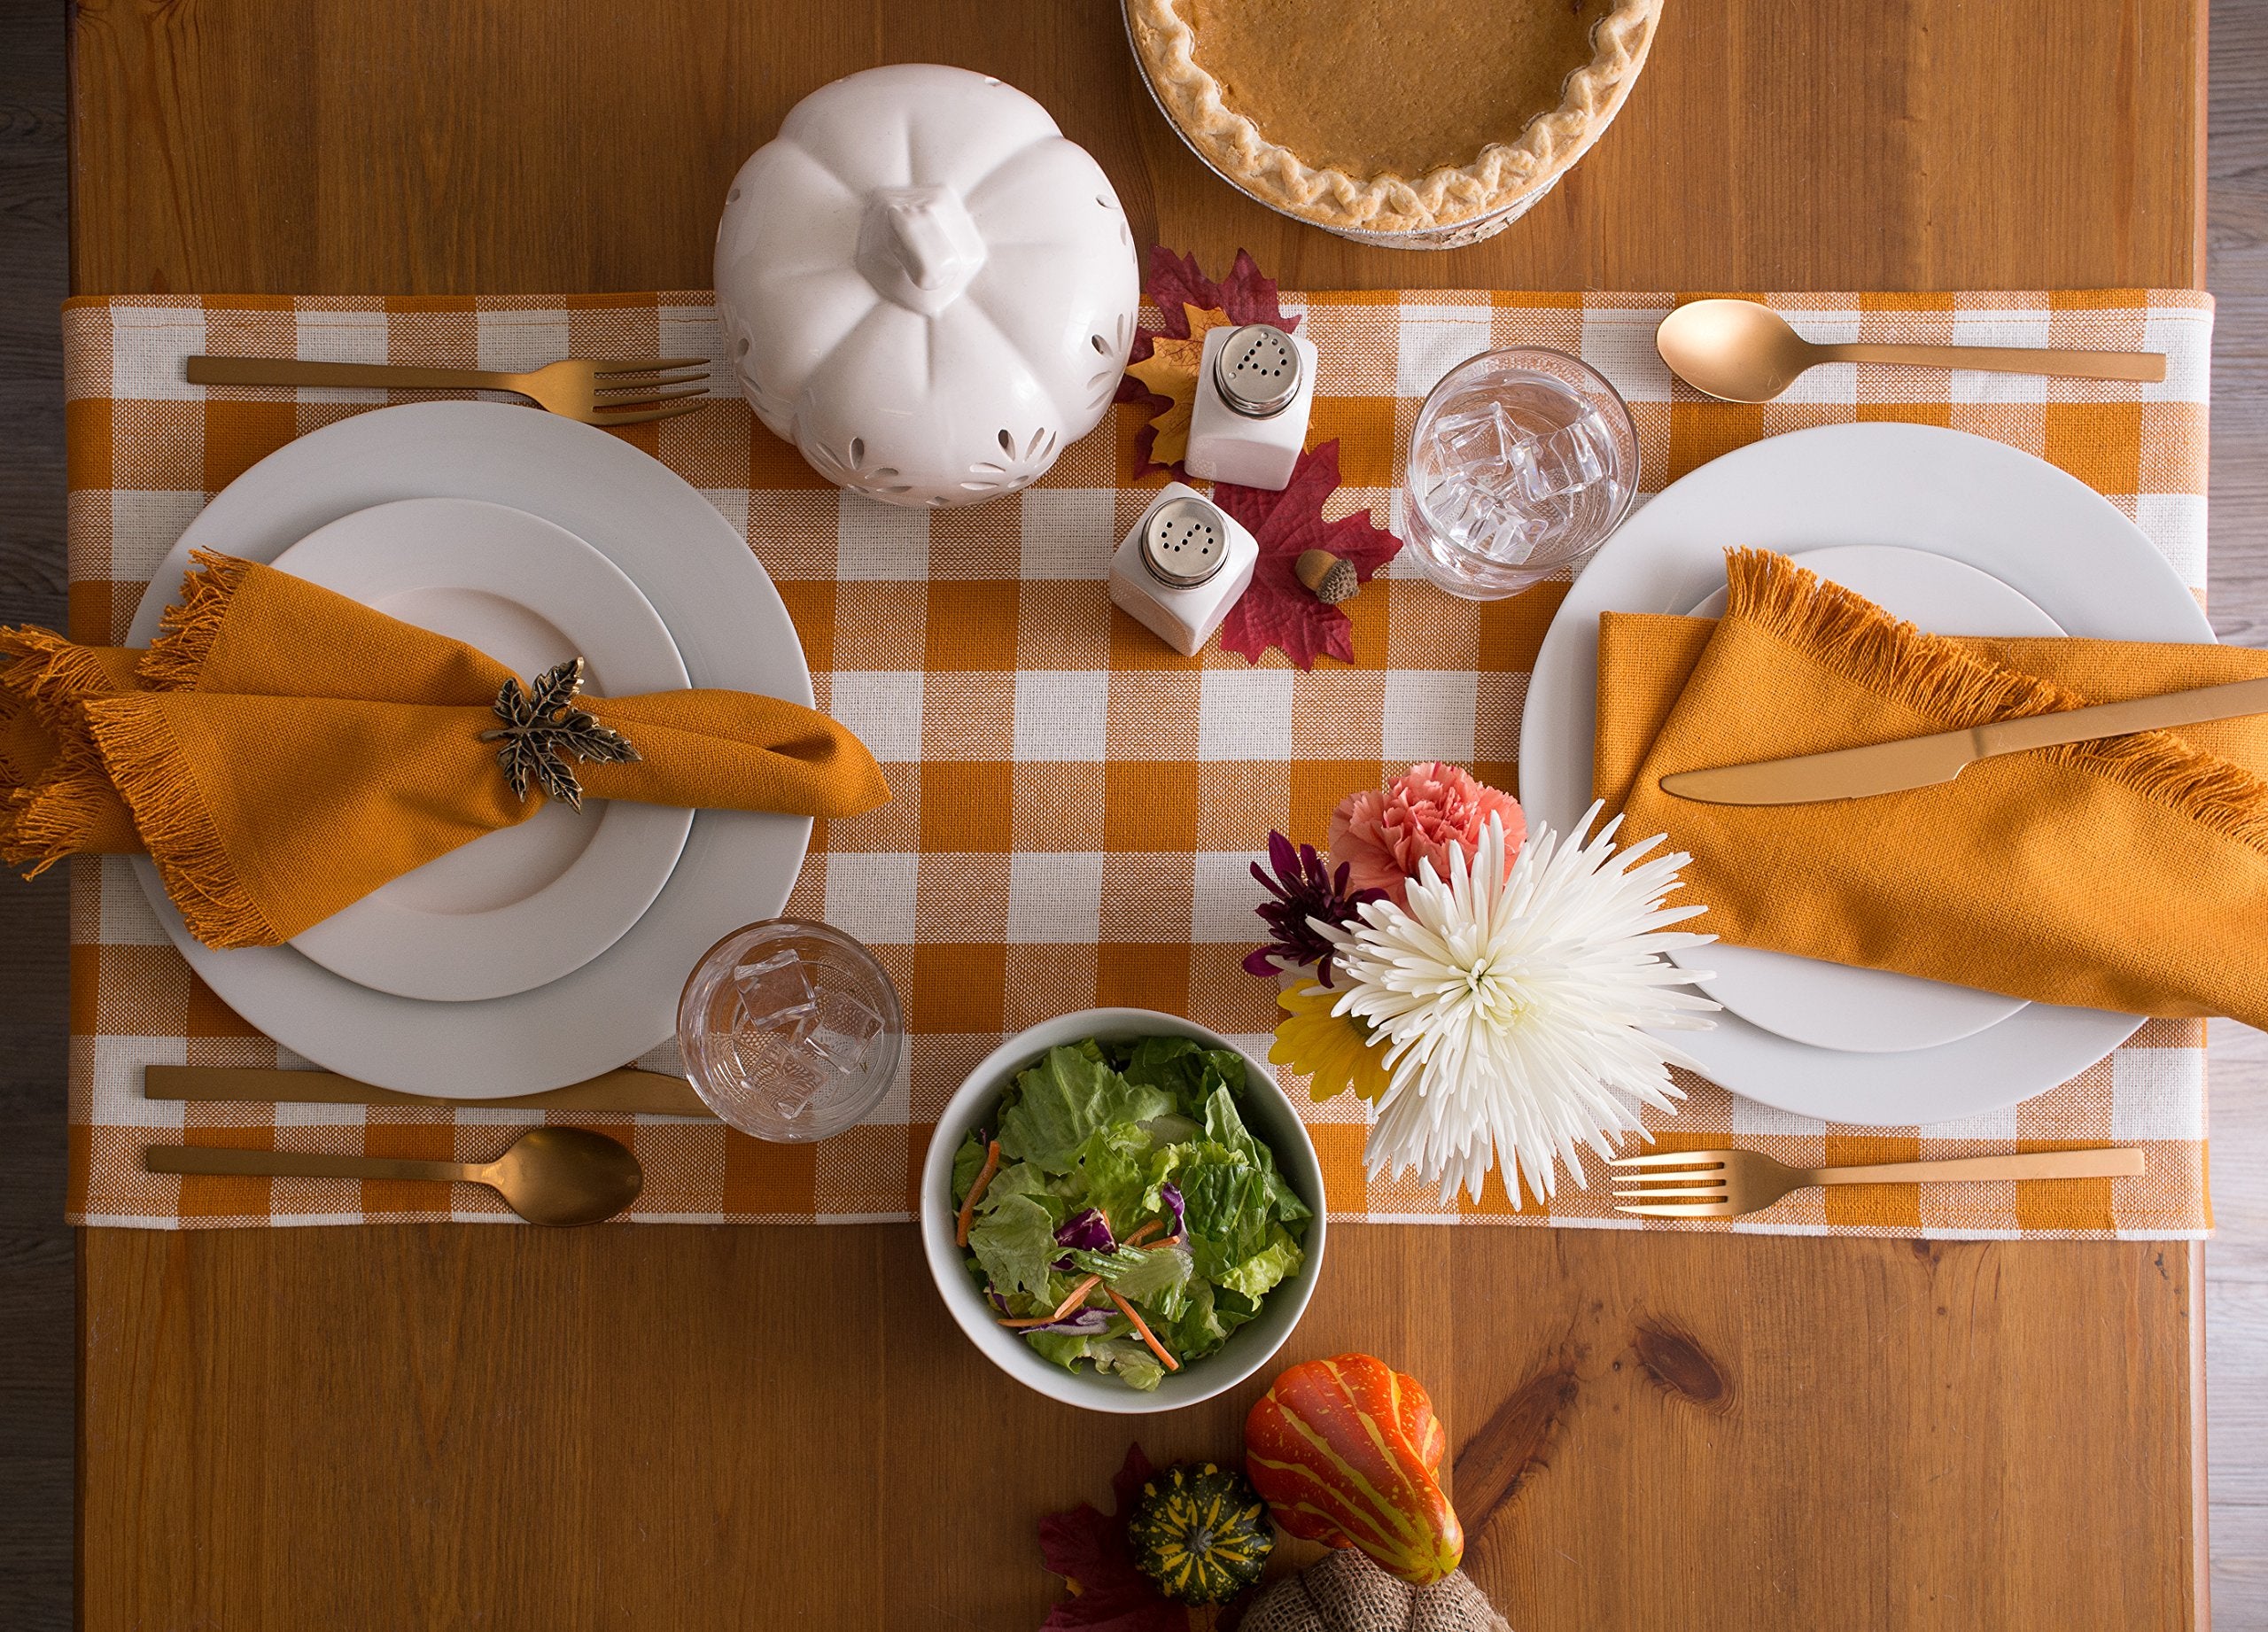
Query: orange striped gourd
x=1345, y=1452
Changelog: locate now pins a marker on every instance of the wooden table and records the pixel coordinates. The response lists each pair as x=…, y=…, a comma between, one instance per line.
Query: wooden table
x=740, y=1427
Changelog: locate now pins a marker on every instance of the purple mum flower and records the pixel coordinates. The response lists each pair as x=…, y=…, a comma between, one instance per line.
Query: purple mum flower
x=1304, y=889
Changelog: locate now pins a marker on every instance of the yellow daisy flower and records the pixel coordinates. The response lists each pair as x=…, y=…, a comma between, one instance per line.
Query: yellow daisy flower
x=1332, y=1051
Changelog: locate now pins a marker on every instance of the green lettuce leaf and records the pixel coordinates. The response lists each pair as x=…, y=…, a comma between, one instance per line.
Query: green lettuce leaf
x=1186, y=1068
x=1015, y=1243
x=1021, y=1179
x=1064, y=1099
x=1067, y=1348
x=1173, y=1128
x=1225, y=1126
x=968, y=1161
x=1131, y=1358
x=1265, y=1268
x=1225, y=1199
x=1113, y=1351
x=1110, y=1172
x=1196, y=1329
x=1159, y=1281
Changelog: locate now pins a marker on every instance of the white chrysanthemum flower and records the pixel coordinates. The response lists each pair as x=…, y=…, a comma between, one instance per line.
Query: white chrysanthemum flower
x=1517, y=1008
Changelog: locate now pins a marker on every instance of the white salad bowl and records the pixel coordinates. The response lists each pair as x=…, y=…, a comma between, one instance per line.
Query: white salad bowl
x=1267, y=1111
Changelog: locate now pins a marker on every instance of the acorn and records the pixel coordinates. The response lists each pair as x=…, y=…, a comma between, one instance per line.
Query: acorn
x=1330, y=578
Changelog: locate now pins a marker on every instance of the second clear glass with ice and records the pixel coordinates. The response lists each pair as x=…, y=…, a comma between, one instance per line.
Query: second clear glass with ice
x=790, y=1030
x=1521, y=463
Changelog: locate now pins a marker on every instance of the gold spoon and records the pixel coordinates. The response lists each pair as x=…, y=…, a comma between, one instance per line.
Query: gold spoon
x=549, y=1176
x=1742, y=352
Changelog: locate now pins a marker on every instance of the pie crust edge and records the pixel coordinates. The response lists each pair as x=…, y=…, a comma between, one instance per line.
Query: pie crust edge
x=1328, y=197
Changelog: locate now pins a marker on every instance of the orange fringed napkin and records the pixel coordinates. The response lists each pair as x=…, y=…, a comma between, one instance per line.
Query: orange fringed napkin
x=280, y=751
x=2127, y=873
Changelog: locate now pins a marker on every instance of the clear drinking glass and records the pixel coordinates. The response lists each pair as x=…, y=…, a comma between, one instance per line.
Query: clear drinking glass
x=790, y=1030
x=1523, y=461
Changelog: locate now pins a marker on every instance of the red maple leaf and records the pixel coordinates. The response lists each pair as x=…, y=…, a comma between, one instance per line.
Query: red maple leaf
x=1278, y=610
x=1108, y=1594
x=1248, y=295
x=1177, y=283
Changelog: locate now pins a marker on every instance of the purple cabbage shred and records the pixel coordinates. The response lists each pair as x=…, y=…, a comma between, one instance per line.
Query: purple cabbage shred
x=1088, y=1230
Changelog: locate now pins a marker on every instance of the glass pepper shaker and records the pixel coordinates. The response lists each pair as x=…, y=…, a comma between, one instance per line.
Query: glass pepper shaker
x=1255, y=385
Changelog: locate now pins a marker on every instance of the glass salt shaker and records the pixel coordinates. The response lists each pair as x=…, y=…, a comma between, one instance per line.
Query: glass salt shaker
x=1182, y=567
x=1255, y=385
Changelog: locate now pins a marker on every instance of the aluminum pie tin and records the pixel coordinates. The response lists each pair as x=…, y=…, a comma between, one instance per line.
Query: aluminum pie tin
x=1456, y=234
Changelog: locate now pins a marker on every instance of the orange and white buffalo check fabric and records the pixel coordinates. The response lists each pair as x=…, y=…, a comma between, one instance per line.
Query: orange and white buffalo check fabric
x=1075, y=806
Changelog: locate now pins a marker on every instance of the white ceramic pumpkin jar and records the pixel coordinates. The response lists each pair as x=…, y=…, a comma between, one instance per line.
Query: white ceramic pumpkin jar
x=925, y=286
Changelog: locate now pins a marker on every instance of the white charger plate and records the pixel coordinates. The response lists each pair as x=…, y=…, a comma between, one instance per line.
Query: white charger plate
x=1835, y=1004
x=2045, y=534
x=524, y=906
x=730, y=629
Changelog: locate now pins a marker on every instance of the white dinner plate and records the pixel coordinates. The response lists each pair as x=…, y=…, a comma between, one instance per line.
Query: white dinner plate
x=522, y=906
x=1837, y=1005
x=730, y=629
x=2043, y=533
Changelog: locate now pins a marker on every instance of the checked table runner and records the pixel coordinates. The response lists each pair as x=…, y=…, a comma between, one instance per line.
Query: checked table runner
x=1076, y=805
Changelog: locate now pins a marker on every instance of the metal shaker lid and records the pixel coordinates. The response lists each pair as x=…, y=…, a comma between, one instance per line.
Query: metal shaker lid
x=1184, y=543
x=1257, y=370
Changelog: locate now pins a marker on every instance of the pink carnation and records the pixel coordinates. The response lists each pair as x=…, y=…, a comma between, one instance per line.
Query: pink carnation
x=1383, y=836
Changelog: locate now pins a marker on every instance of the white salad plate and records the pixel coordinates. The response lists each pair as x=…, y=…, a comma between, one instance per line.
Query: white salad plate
x=524, y=906
x=730, y=628
x=2043, y=534
x=1835, y=1004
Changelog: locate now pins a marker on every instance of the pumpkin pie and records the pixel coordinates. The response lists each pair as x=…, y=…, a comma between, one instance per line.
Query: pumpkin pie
x=1393, y=116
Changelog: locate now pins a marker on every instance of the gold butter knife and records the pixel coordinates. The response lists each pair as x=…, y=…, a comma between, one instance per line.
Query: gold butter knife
x=628, y=1091
x=1925, y=761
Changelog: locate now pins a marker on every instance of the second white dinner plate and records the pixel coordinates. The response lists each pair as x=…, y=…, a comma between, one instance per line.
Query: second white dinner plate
x=2046, y=535
x=732, y=630
x=520, y=907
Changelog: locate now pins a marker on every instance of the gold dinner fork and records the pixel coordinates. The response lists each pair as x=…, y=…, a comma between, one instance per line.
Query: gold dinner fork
x=1725, y=1184
x=621, y=390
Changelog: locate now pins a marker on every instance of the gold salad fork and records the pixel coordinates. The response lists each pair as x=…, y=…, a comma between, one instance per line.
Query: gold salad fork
x=623, y=391
x=1725, y=1184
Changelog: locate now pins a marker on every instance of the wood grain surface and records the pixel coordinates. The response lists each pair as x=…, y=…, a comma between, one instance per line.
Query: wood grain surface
x=737, y=1426
x=681, y=1427
x=530, y=145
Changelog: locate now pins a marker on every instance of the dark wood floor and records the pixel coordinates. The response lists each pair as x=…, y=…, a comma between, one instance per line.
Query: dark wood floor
x=36, y=1428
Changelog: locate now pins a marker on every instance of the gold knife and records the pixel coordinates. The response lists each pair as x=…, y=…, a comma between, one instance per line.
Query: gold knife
x=628, y=1090
x=1925, y=761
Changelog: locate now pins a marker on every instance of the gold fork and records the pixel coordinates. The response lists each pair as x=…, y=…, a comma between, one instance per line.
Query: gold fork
x=1725, y=1184
x=606, y=392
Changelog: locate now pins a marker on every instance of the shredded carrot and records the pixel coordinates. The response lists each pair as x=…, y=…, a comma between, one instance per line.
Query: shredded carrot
x=1148, y=1336
x=1078, y=1296
x=976, y=1193
x=1135, y=1240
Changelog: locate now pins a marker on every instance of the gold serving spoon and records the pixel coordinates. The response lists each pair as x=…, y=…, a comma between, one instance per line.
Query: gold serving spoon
x=1742, y=352
x=549, y=1176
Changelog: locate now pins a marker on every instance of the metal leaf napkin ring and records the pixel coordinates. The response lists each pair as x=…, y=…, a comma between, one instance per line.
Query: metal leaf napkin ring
x=542, y=726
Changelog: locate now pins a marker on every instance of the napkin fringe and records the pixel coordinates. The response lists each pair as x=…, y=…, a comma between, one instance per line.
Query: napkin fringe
x=187, y=631
x=53, y=793
x=53, y=676
x=155, y=775
x=55, y=814
x=1934, y=677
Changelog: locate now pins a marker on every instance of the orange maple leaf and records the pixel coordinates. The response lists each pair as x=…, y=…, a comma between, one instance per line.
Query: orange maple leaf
x=1170, y=370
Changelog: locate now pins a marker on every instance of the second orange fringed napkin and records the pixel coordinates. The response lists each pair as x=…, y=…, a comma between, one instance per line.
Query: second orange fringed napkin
x=282, y=750
x=2127, y=873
